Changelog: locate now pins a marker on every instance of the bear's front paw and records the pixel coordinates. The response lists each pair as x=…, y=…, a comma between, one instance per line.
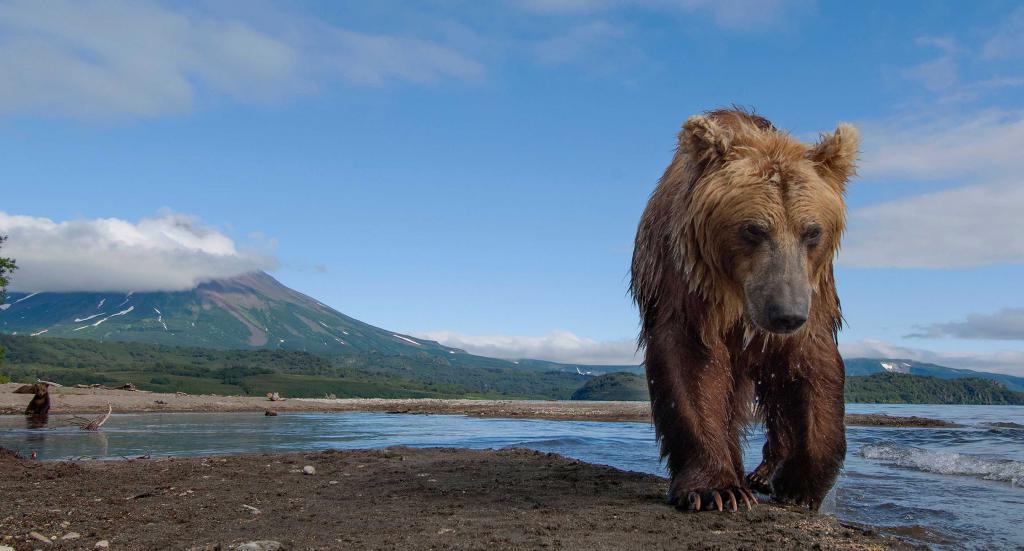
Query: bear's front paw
x=713, y=499
x=804, y=501
x=760, y=479
x=799, y=497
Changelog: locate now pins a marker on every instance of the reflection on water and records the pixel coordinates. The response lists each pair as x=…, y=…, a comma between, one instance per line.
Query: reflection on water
x=37, y=421
x=945, y=487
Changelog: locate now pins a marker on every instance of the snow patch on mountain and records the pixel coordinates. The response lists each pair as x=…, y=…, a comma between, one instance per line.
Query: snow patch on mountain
x=26, y=297
x=896, y=367
x=125, y=301
x=406, y=339
x=160, y=318
x=121, y=313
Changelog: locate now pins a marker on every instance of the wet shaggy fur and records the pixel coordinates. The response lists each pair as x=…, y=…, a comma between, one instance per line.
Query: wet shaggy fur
x=694, y=275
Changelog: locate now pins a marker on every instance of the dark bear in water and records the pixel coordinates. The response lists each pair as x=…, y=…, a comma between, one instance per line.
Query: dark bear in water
x=40, y=404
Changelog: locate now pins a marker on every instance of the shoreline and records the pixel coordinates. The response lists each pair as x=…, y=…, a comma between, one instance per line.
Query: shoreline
x=79, y=401
x=438, y=498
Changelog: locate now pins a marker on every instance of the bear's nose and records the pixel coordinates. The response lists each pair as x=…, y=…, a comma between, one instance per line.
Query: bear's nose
x=784, y=320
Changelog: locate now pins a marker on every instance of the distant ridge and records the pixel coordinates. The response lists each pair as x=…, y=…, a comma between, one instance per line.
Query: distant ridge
x=248, y=311
x=255, y=311
x=870, y=366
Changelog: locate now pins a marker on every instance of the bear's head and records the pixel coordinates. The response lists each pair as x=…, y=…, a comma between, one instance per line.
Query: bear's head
x=763, y=214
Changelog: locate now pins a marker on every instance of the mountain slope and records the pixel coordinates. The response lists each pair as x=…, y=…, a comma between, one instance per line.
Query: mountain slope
x=255, y=311
x=620, y=385
x=248, y=311
x=257, y=371
x=902, y=388
x=870, y=366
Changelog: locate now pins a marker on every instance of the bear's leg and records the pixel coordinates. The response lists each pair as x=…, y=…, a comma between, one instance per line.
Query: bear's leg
x=691, y=388
x=760, y=479
x=741, y=398
x=806, y=438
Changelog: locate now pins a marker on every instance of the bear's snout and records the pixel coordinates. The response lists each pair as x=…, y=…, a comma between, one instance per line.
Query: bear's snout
x=783, y=319
x=779, y=293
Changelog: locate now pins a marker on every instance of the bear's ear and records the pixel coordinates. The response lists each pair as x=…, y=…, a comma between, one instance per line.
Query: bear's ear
x=704, y=138
x=835, y=155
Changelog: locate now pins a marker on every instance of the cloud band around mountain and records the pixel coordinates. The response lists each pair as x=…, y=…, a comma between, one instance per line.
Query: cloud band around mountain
x=170, y=252
x=1006, y=324
x=556, y=346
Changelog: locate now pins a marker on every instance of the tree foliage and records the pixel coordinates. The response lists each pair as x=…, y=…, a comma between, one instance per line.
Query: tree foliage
x=899, y=388
x=7, y=266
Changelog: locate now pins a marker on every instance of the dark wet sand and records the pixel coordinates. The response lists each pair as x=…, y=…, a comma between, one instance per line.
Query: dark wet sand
x=397, y=498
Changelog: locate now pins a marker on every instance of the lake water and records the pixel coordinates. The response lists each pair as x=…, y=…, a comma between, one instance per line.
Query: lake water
x=949, y=488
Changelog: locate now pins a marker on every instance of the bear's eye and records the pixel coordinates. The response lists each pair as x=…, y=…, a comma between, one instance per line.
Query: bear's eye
x=754, y=233
x=812, y=235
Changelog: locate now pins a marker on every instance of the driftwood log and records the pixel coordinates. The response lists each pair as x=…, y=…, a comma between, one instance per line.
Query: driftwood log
x=91, y=424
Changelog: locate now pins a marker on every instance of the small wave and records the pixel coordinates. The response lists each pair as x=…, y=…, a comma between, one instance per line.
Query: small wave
x=1001, y=470
x=1003, y=425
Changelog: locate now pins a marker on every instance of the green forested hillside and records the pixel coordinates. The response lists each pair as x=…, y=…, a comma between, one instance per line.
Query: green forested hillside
x=292, y=373
x=898, y=388
x=882, y=388
x=613, y=386
x=302, y=374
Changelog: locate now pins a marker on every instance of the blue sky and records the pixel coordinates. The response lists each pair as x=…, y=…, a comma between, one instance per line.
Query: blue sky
x=474, y=171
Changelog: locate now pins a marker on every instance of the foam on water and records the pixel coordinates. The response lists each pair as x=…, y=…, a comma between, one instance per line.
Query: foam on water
x=951, y=463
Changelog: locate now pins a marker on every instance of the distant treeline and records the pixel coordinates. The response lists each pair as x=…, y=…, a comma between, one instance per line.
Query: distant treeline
x=880, y=388
x=898, y=388
x=300, y=374
x=254, y=372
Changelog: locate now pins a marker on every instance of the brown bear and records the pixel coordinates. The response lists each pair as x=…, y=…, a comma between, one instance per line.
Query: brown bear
x=40, y=404
x=732, y=274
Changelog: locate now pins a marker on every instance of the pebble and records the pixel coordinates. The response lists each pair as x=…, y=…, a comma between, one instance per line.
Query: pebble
x=102, y=544
x=6, y=548
x=39, y=537
x=262, y=545
x=71, y=536
x=308, y=469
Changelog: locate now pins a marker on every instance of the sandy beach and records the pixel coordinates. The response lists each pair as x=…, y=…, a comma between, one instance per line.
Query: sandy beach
x=68, y=400
x=380, y=499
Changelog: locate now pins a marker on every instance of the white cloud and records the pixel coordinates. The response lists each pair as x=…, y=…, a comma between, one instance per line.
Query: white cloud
x=1008, y=41
x=378, y=59
x=964, y=227
x=940, y=73
x=101, y=58
x=937, y=74
x=974, y=225
x=944, y=44
x=170, y=252
x=575, y=43
x=983, y=144
x=741, y=14
x=556, y=346
x=1010, y=362
x=1006, y=324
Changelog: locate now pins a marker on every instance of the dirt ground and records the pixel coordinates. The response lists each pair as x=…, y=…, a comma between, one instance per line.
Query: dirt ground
x=66, y=400
x=396, y=498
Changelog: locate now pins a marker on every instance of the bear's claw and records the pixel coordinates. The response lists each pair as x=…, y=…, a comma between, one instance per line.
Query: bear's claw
x=759, y=483
x=718, y=499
